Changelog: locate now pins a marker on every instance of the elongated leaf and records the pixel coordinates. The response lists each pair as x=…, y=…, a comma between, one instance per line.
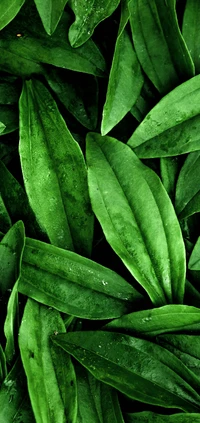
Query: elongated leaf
x=159, y=44
x=149, y=323
x=137, y=218
x=73, y=284
x=54, y=172
x=51, y=377
x=169, y=167
x=11, y=248
x=22, y=53
x=194, y=261
x=14, y=401
x=188, y=187
x=3, y=368
x=140, y=369
x=122, y=92
x=190, y=30
x=172, y=126
x=5, y=222
x=9, y=117
x=11, y=323
x=150, y=417
x=88, y=14
x=50, y=12
x=9, y=11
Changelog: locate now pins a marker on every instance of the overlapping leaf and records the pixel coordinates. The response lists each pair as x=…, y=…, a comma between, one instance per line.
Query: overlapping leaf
x=190, y=30
x=194, y=261
x=137, y=218
x=50, y=12
x=150, y=417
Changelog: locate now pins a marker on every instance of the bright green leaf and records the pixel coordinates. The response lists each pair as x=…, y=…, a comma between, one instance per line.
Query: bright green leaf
x=2, y=127
x=190, y=30
x=50, y=12
x=9, y=10
x=11, y=323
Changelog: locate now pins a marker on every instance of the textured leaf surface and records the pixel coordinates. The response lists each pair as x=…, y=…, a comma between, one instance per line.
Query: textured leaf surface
x=54, y=171
x=150, y=417
x=9, y=11
x=190, y=30
x=73, y=284
x=172, y=126
x=50, y=12
x=50, y=373
x=138, y=368
x=137, y=218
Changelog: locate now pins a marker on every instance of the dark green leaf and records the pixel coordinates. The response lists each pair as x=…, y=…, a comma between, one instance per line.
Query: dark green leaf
x=191, y=32
x=172, y=126
x=50, y=12
x=3, y=368
x=9, y=117
x=88, y=14
x=194, y=261
x=73, y=284
x=5, y=222
x=150, y=417
x=169, y=167
x=9, y=11
x=54, y=173
x=137, y=218
x=159, y=44
x=140, y=369
x=9, y=91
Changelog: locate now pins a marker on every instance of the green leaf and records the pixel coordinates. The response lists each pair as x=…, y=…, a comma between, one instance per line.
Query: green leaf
x=5, y=222
x=187, y=188
x=73, y=284
x=22, y=53
x=159, y=44
x=149, y=323
x=11, y=324
x=137, y=218
x=49, y=371
x=194, y=261
x=11, y=248
x=190, y=30
x=140, y=369
x=54, y=173
x=2, y=127
x=171, y=127
x=150, y=417
x=50, y=12
x=14, y=402
x=88, y=14
x=122, y=92
x=9, y=117
x=9, y=11
x=3, y=368
x=169, y=167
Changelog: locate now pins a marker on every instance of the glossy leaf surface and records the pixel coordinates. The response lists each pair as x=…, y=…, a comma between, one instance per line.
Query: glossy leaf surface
x=137, y=218
x=172, y=126
x=190, y=30
x=54, y=173
x=9, y=11
x=50, y=12
x=73, y=284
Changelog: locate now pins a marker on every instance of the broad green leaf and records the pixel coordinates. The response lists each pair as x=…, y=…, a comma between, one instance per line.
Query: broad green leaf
x=3, y=368
x=9, y=117
x=78, y=92
x=159, y=44
x=88, y=14
x=5, y=222
x=137, y=218
x=11, y=324
x=16, y=202
x=9, y=10
x=14, y=402
x=73, y=284
x=169, y=167
x=150, y=417
x=122, y=92
x=50, y=12
x=50, y=373
x=171, y=127
x=190, y=30
x=149, y=323
x=24, y=46
x=11, y=248
x=194, y=261
x=54, y=173
x=188, y=187
x=140, y=369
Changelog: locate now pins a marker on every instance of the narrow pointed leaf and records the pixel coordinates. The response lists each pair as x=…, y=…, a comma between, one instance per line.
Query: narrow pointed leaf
x=149, y=323
x=11, y=324
x=5, y=222
x=194, y=261
x=88, y=14
x=137, y=218
x=159, y=44
x=50, y=12
x=54, y=171
x=73, y=284
x=150, y=417
x=3, y=367
x=50, y=374
x=171, y=127
x=2, y=127
x=140, y=369
x=9, y=11
x=190, y=30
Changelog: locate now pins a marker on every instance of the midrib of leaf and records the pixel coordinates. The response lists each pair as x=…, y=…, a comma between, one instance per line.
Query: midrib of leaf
x=8, y=7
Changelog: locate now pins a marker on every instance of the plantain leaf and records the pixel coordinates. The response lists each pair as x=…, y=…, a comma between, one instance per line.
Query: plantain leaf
x=159, y=44
x=194, y=261
x=137, y=218
x=122, y=92
x=73, y=284
x=171, y=127
x=149, y=323
x=50, y=373
x=54, y=172
x=88, y=14
x=140, y=369
x=190, y=30
x=150, y=417
x=50, y=12
x=9, y=11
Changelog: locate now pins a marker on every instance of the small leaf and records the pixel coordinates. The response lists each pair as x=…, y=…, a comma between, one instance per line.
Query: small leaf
x=9, y=11
x=190, y=30
x=50, y=12
x=2, y=127
x=73, y=284
x=9, y=117
x=194, y=261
